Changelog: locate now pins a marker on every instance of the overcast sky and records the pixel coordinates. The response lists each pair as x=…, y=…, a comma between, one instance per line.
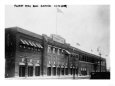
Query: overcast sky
x=88, y=25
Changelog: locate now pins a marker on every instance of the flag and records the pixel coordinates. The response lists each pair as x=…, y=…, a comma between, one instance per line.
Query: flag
x=59, y=11
x=78, y=44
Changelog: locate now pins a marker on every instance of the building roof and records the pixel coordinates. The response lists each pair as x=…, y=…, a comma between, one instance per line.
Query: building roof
x=18, y=29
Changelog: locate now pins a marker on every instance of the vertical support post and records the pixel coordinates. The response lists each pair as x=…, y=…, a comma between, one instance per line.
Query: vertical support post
x=78, y=66
x=100, y=61
x=56, y=20
x=73, y=67
x=26, y=70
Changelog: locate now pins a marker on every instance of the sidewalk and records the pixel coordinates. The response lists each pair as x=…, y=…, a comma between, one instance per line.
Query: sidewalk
x=52, y=77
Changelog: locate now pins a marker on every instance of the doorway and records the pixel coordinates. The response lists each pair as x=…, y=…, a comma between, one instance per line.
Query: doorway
x=37, y=70
x=30, y=71
x=22, y=70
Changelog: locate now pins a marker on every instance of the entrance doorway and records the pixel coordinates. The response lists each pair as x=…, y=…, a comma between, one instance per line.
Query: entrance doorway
x=30, y=71
x=54, y=71
x=49, y=71
x=58, y=71
x=37, y=71
x=62, y=71
x=66, y=71
x=22, y=70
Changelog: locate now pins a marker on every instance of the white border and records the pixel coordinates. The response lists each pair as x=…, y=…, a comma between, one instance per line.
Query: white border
x=5, y=82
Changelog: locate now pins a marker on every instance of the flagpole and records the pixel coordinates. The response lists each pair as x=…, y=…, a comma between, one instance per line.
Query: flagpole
x=56, y=20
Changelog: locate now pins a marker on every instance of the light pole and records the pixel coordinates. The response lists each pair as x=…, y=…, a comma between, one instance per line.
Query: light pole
x=99, y=51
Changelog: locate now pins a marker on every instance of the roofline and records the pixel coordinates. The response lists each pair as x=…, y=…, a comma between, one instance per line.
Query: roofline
x=18, y=29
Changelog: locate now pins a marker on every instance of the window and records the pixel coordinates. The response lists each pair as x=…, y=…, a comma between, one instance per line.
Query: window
x=58, y=51
x=77, y=56
x=53, y=50
x=80, y=57
x=49, y=49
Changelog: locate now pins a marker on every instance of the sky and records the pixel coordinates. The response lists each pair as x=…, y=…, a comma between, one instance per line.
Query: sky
x=88, y=25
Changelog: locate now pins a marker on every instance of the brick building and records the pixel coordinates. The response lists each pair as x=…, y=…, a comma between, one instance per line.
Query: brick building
x=28, y=54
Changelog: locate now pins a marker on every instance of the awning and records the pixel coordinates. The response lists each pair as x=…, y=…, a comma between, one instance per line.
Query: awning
x=62, y=66
x=38, y=45
x=48, y=65
x=65, y=66
x=67, y=52
x=23, y=42
x=71, y=67
x=26, y=42
x=33, y=44
x=54, y=66
x=37, y=64
x=30, y=64
x=30, y=43
x=21, y=63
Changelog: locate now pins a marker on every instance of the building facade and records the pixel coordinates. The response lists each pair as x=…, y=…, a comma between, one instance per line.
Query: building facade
x=31, y=55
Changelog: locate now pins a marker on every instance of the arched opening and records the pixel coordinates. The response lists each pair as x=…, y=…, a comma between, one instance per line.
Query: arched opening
x=49, y=70
x=54, y=70
x=58, y=70
x=37, y=70
x=22, y=70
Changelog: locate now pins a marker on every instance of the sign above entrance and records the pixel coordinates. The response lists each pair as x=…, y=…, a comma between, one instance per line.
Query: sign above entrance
x=57, y=38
